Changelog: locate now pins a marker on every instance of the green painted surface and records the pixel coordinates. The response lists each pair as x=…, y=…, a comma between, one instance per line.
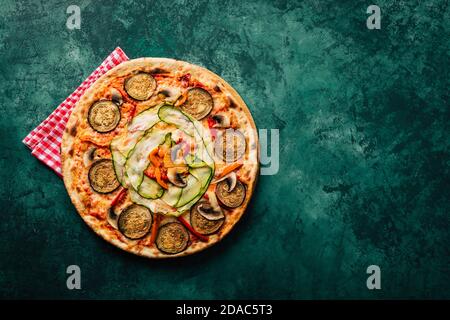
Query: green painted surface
x=364, y=157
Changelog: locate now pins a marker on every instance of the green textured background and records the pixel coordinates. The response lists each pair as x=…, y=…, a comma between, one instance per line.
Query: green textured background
x=364, y=158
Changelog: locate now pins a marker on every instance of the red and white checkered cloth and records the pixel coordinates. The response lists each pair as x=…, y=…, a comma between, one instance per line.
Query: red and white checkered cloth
x=45, y=140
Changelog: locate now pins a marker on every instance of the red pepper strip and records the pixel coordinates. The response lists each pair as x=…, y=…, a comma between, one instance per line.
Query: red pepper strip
x=185, y=79
x=155, y=227
x=195, y=233
x=211, y=122
x=119, y=196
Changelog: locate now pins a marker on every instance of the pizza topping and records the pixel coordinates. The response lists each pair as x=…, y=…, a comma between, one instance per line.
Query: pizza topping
x=184, y=79
x=155, y=227
x=116, y=96
x=170, y=94
x=191, y=230
x=140, y=86
x=230, y=199
x=176, y=176
x=89, y=155
x=230, y=145
x=230, y=178
x=112, y=218
x=200, y=222
x=102, y=176
x=229, y=169
x=172, y=238
x=135, y=221
x=221, y=120
x=150, y=189
x=104, y=116
x=199, y=103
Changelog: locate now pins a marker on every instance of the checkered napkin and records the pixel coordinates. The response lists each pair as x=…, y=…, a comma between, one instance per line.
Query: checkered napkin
x=45, y=140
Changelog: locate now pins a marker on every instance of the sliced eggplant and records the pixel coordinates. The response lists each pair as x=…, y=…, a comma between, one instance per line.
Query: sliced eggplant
x=200, y=213
x=140, y=86
x=230, y=145
x=172, y=238
x=230, y=199
x=104, y=116
x=199, y=103
x=102, y=177
x=135, y=221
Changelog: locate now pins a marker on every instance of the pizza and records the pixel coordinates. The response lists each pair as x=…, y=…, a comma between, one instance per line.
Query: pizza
x=160, y=157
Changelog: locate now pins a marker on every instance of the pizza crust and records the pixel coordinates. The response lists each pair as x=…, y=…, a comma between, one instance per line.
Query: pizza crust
x=71, y=140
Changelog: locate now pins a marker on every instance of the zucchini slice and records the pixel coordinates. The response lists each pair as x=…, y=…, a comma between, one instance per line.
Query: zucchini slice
x=199, y=103
x=172, y=238
x=121, y=146
x=192, y=128
x=135, y=221
x=172, y=195
x=231, y=199
x=118, y=160
x=102, y=177
x=104, y=116
x=200, y=223
x=203, y=174
x=230, y=145
x=197, y=183
x=138, y=159
x=140, y=86
x=170, y=115
x=150, y=189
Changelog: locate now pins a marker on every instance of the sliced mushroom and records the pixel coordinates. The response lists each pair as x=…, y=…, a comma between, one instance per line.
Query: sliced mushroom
x=135, y=221
x=170, y=94
x=89, y=156
x=231, y=199
x=140, y=86
x=175, y=176
x=231, y=180
x=213, y=202
x=116, y=96
x=222, y=120
x=112, y=218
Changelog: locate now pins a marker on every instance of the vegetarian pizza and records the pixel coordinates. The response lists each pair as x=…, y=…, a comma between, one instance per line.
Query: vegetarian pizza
x=160, y=157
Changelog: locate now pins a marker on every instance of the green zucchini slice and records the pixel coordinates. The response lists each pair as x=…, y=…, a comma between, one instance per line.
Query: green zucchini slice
x=172, y=195
x=140, y=86
x=172, y=238
x=135, y=221
x=102, y=177
x=150, y=189
x=200, y=223
x=199, y=103
x=138, y=160
x=104, y=116
x=231, y=199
